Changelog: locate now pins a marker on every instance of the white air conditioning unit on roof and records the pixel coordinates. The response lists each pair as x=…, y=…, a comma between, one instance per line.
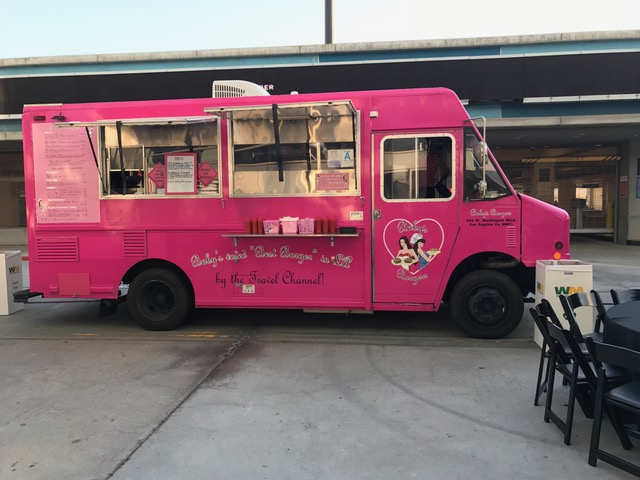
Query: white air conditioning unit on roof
x=237, y=88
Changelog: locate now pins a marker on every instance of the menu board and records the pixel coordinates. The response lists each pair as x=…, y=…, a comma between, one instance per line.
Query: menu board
x=66, y=175
x=181, y=173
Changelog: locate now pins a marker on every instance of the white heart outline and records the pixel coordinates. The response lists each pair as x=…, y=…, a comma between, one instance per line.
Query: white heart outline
x=417, y=222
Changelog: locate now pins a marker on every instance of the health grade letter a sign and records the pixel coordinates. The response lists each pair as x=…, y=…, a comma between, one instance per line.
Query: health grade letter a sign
x=181, y=174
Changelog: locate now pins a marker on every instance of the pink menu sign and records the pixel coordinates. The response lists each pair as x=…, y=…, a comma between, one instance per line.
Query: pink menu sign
x=67, y=185
x=332, y=181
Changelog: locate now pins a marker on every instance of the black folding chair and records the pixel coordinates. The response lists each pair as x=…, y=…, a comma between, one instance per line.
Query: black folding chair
x=601, y=317
x=545, y=310
x=581, y=378
x=545, y=352
x=571, y=303
x=570, y=369
x=611, y=399
x=624, y=296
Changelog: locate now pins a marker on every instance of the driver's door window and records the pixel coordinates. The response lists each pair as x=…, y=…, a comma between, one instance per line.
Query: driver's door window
x=417, y=167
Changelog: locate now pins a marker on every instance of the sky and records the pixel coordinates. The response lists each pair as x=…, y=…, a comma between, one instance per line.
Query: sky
x=42, y=28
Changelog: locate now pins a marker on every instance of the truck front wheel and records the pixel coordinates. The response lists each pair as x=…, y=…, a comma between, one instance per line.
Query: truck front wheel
x=158, y=299
x=486, y=304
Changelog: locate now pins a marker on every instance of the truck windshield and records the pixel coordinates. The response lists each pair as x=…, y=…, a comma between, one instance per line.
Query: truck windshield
x=478, y=184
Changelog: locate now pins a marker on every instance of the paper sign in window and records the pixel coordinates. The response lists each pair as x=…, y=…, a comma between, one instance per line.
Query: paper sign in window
x=206, y=174
x=328, y=182
x=158, y=175
x=340, y=158
x=181, y=174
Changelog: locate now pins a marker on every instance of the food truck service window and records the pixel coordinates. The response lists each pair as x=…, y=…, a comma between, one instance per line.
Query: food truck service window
x=157, y=157
x=290, y=150
x=418, y=168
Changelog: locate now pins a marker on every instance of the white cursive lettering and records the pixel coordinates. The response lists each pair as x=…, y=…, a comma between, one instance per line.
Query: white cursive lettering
x=196, y=261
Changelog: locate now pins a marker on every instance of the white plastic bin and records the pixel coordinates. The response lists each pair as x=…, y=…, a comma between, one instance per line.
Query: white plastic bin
x=564, y=277
x=10, y=281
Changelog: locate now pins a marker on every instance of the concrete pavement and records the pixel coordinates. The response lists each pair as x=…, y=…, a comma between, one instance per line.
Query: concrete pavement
x=282, y=395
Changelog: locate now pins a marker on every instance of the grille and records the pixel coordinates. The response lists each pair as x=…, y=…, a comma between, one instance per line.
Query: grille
x=511, y=236
x=135, y=244
x=57, y=249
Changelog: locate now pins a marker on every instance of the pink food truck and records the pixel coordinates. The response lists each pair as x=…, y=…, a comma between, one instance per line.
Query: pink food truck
x=351, y=201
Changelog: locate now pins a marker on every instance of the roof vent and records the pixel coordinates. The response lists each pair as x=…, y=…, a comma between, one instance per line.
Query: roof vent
x=237, y=88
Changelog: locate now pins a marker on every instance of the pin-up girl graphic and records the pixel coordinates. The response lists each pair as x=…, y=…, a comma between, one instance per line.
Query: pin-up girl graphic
x=406, y=255
x=412, y=236
x=423, y=256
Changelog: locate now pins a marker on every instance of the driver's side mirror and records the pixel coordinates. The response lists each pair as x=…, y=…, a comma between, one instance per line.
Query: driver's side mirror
x=481, y=188
x=483, y=152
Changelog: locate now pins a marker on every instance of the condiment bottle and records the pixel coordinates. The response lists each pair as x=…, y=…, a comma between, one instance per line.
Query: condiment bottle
x=332, y=225
x=325, y=225
x=247, y=226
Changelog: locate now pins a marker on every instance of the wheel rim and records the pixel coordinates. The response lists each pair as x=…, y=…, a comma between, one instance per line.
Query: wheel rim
x=156, y=301
x=487, y=306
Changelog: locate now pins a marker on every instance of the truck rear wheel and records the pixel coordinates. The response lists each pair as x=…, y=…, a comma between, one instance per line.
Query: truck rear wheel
x=486, y=304
x=159, y=299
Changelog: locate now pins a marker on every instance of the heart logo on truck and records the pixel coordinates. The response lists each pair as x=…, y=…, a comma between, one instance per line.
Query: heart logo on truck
x=412, y=245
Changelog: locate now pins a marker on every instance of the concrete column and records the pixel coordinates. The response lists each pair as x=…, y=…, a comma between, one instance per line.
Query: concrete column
x=629, y=207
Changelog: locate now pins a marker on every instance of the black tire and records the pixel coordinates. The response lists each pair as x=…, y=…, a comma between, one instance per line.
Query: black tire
x=486, y=304
x=159, y=299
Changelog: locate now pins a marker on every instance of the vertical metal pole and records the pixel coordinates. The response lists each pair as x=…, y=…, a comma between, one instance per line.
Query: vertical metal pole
x=121, y=153
x=328, y=22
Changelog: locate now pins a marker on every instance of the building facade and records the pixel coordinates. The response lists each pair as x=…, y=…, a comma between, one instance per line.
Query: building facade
x=562, y=110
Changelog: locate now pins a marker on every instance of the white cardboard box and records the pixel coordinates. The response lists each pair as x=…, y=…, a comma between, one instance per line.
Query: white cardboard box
x=10, y=281
x=564, y=277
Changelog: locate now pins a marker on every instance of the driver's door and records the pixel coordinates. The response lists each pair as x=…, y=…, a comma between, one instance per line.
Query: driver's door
x=415, y=214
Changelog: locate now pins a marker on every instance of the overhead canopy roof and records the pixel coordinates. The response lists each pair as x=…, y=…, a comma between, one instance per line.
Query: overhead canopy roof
x=139, y=121
x=286, y=111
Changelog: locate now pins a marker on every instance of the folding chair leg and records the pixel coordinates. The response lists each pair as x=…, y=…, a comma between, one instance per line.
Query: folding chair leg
x=594, y=445
x=551, y=373
x=569, y=422
x=541, y=385
x=575, y=394
x=618, y=426
x=586, y=403
x=595, y=430
x=571, y=404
